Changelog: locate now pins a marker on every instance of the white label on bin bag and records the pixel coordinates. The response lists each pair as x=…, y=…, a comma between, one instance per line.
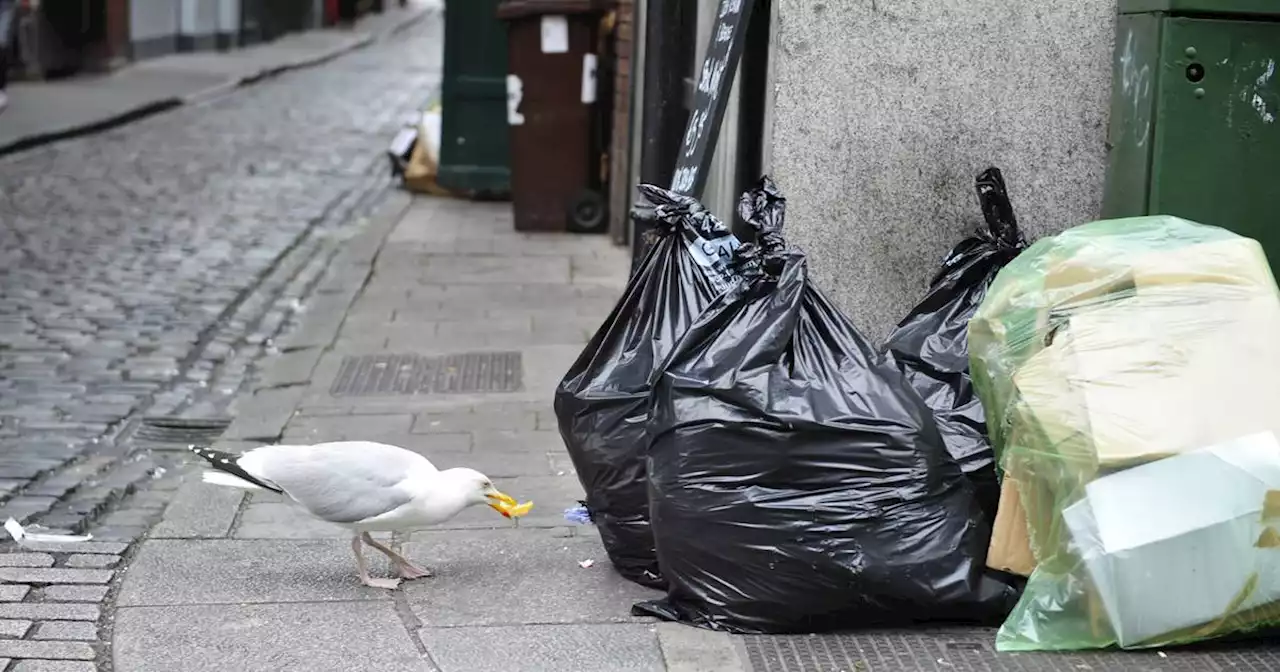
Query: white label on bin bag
x=555, y=34
x=714, y=255
x=588, y=78
x=515, y=94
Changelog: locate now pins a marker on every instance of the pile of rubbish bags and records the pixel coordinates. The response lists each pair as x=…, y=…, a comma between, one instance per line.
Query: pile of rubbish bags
x=744, y=447
x=1060, y=437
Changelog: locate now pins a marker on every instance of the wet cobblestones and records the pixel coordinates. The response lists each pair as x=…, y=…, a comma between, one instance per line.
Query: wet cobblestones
x=131, y=261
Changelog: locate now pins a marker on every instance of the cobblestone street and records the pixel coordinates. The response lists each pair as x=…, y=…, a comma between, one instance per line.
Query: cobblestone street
x=144, y=270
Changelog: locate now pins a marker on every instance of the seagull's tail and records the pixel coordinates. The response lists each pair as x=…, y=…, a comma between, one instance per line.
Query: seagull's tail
x=227, y=471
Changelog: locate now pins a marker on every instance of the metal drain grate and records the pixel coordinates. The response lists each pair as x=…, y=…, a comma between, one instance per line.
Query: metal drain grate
x=175, y=431
x=973, y=650
x=466, y=373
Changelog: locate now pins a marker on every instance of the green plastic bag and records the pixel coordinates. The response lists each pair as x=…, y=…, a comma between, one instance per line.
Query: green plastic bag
x=1103, y=350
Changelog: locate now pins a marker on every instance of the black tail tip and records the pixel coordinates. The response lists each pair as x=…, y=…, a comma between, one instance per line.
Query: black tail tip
x=203, y=452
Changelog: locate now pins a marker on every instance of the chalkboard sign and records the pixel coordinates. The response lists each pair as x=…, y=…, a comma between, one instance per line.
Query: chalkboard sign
x=715, y=79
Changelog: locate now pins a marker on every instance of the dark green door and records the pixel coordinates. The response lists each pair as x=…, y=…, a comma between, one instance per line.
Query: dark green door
x=1217, y=154
x=1195, y=120
x=474, y=143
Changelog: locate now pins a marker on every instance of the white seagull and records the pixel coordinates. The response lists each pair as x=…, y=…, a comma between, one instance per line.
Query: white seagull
x=362, y=486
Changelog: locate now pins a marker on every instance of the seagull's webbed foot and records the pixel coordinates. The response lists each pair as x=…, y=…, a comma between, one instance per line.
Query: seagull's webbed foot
x=404, y=566
x=386, y=584
x=410, y=571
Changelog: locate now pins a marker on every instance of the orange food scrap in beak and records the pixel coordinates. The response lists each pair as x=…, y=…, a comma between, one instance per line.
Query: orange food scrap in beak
x=515, y=510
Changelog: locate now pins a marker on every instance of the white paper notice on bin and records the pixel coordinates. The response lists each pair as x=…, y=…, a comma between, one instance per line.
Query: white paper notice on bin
x=555, y=34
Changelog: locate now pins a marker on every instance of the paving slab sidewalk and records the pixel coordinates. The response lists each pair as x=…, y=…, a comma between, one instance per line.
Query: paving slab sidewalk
x=45, y=111
x=245, y=582
x=233, y=581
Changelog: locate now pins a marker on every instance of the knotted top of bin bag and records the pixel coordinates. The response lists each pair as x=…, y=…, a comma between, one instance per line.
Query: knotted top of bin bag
x=931, y=344
x=932, y=340
x=797, y=483
x=601, y=402
x=764, y=209
x=665, y=211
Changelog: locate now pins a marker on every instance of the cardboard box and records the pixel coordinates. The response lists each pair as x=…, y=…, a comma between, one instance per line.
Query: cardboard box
x=423, y=165
x=1128, y=363
x=1130, y=382
x=1021, y=315
x=1186, y=541
x=1154, y=375
x=1010, y=549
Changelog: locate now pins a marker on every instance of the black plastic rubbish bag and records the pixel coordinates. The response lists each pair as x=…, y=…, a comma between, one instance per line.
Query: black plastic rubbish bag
x=931, y=345
x=796, y=482
x=601, y=403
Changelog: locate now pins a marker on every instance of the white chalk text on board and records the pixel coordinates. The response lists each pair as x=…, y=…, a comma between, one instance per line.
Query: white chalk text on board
x=715, y=79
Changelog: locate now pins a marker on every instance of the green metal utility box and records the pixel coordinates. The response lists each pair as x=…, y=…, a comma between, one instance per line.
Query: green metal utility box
x=1194, y=107
x=474, y=136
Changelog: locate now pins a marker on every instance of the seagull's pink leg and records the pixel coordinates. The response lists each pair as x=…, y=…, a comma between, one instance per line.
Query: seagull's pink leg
x=388, y=584
x=407, y=569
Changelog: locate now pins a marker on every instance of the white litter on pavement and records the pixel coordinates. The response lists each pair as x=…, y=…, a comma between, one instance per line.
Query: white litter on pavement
x=22, y=536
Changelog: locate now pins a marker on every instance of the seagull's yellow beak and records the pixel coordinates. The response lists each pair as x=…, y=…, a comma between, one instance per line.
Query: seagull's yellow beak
x=498, y=499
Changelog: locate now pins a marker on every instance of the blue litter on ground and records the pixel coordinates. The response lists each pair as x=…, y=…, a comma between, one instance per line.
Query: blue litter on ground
x=578, y=514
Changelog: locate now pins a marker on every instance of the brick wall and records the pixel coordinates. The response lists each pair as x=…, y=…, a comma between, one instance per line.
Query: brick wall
x=620, y=188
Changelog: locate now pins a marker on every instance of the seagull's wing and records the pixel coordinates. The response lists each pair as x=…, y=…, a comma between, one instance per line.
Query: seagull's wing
x=341, y=482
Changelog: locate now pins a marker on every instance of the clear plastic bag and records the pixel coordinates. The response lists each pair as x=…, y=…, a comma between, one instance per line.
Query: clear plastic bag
x=1128, y=369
